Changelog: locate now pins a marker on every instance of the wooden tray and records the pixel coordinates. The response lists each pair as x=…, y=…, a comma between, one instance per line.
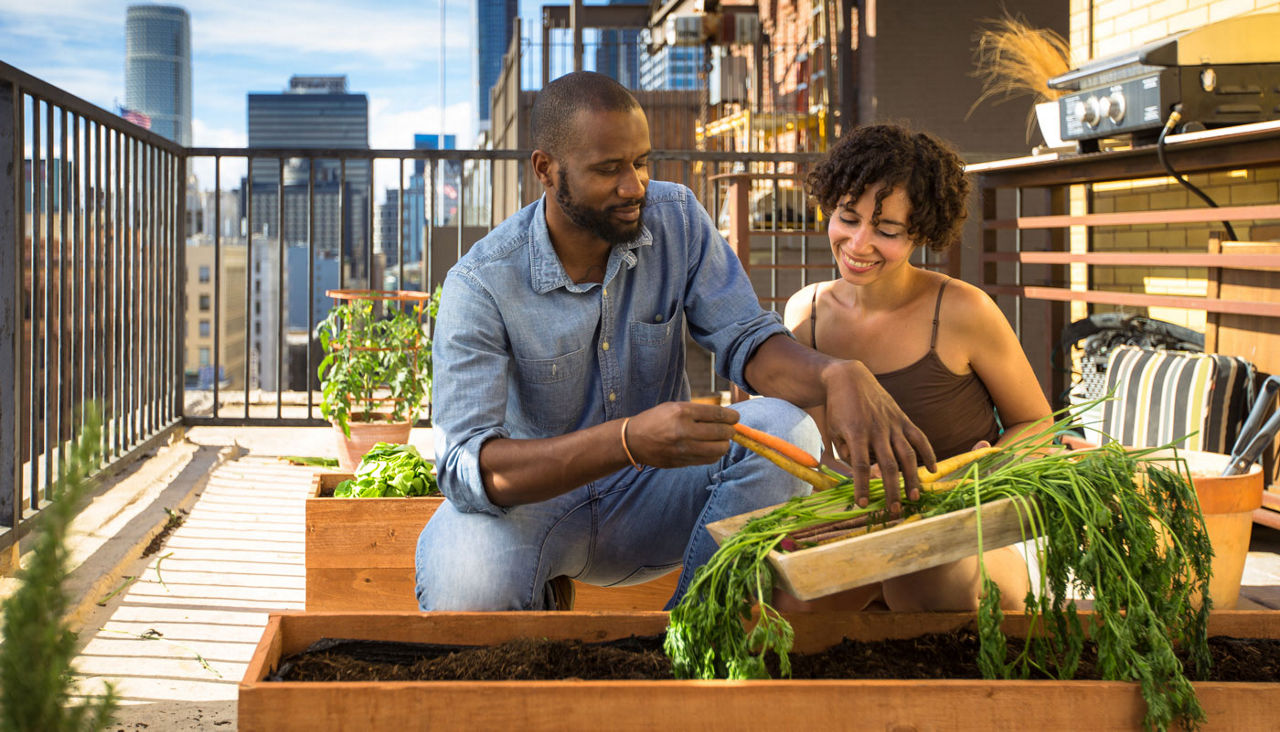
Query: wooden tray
x=860, y=560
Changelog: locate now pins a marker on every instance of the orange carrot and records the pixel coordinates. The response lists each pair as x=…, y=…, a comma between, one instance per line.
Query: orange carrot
x=778, y=444
x=816, y=478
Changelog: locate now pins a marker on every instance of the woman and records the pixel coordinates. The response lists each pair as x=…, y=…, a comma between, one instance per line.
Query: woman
x=939, y=346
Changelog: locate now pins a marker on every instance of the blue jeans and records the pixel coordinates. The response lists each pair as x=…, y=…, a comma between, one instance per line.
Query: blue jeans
x=623, y=529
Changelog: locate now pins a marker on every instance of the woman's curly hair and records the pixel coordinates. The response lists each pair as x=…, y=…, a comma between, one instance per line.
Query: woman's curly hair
x=924, y=167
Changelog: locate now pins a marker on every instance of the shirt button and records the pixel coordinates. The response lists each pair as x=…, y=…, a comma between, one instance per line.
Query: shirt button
x=657, y=318
x=613, y=397
x=605, y=345
x=606, y=292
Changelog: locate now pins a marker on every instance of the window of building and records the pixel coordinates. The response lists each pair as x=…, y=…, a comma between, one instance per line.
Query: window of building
x=205, y=329
x=205, y=303
x=205, y=275
x=205, y=358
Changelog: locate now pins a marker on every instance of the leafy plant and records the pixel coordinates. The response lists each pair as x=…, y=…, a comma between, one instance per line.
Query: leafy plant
x=35, y=660
x=1122, y=526
x=375, y=366
x=389, y=470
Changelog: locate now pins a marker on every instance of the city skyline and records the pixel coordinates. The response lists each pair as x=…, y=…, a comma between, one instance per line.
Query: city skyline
x=387, y=50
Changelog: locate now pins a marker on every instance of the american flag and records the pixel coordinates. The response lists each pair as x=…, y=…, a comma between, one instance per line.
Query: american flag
x=136, y=117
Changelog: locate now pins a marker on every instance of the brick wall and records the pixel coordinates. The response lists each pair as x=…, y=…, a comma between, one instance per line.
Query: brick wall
x=917, y=66
x=1122, y=24
x=1118, y=25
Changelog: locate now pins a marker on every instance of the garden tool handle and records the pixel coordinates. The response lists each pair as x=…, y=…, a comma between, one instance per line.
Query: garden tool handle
x=1259, y=408
x=1242, y=458
x=1248, y=432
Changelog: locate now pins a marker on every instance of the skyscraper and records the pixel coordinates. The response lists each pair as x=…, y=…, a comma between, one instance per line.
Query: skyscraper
x=618, y=51
x=672, y=68
x=493, y=35
x=314, y=112
x=157, y=68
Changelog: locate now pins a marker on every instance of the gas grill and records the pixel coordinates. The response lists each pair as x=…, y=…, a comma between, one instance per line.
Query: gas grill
x=1224, y=73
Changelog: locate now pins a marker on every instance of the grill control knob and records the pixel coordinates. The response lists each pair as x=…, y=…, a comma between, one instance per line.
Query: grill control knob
x=1087, y=111
x=1115, y=106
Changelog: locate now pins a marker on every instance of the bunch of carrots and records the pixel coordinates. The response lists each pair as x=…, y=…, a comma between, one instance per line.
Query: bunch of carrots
x=804, y=466
x=1119, y=525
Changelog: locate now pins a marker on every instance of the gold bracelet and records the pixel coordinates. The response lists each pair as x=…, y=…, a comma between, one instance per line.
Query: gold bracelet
x=626, y=449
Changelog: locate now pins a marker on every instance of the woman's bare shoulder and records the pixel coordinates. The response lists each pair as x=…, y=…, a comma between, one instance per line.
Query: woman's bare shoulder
x=969, y=318
x=799, y=307
x=967, y=303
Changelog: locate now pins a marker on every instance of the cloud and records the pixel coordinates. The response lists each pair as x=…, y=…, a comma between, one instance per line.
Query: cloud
x=231, y=169
x=394, y=130
x=393, y=35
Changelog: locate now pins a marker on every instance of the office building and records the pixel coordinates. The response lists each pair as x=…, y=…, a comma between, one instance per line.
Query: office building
x=207, y=361
x=618, y=51
x=443, y=204
x=399, y=236
x=314, y=112
x=672, y=68
x=494, y=20
x=157, y=68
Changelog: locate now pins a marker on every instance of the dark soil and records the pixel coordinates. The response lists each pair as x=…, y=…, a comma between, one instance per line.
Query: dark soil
x=936, y=656
x=175, y=520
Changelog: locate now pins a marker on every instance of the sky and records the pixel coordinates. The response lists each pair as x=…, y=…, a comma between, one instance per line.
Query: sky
x=389, y=49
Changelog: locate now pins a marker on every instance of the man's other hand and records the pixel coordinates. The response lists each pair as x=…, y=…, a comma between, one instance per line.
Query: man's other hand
x=676, y=434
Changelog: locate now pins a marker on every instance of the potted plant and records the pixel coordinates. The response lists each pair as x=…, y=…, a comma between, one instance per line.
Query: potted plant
x=376, y=372
x=1014, y=59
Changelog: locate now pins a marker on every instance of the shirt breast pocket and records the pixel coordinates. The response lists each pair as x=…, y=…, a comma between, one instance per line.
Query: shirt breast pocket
x=553, y=391
x=652, y=344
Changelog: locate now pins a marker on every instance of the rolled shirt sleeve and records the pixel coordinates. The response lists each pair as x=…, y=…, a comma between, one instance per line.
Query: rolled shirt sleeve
x=722, y=308
x=469, y=349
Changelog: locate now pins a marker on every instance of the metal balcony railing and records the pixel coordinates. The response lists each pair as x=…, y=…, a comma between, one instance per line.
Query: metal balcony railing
x=124, y=284
x=90, y=297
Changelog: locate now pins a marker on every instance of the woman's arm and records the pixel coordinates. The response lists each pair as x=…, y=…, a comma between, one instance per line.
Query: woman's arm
x=997, y=358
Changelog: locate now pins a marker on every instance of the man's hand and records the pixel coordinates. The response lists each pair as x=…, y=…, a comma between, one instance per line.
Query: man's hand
x=676, y=434
x=862, y=421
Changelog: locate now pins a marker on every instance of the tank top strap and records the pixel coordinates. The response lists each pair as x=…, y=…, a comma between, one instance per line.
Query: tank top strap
x=813, y=319
x=937, y=309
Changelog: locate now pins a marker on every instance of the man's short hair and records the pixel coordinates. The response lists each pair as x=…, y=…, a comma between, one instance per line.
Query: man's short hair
x=554, y=108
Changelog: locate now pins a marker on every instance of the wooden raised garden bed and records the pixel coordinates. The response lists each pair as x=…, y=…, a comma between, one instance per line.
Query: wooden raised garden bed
x=774, y=704
x=359, y=556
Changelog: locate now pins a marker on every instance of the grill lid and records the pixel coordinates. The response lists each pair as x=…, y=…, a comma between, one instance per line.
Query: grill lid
x=1244, y=39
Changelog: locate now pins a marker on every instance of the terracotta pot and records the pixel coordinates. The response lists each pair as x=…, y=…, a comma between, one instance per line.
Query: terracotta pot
x=1227, y=504
x=365, y=435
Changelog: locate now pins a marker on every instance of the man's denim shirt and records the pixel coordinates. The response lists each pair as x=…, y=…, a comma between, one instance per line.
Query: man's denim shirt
x=521, y=351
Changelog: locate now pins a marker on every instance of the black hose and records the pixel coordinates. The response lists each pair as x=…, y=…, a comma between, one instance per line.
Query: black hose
x=1174, y=117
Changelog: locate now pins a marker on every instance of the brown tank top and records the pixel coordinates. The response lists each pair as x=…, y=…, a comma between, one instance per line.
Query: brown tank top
x=954, y=411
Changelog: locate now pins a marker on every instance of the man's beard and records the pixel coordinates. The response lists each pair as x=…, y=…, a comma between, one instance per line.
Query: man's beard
x=598, y=222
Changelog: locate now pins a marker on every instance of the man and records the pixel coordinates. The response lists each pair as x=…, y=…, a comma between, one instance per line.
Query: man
x=565, y=440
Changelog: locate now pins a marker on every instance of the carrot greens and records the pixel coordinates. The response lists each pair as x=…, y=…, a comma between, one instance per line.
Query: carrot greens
x=1120, y=526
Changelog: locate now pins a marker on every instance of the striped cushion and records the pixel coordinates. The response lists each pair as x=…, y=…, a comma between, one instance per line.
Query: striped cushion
x=1164, y=396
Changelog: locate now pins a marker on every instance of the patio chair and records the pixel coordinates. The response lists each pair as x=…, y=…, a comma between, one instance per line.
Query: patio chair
x=1161, y=397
